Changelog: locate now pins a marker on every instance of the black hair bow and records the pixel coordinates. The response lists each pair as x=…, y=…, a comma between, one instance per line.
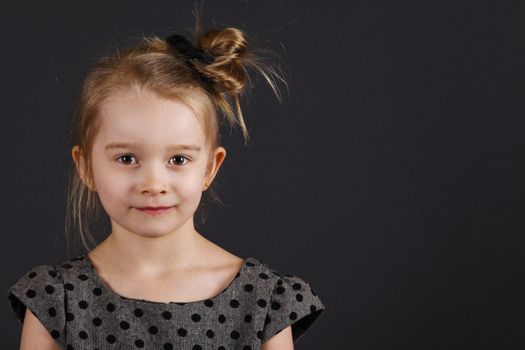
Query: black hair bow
x=182, y=45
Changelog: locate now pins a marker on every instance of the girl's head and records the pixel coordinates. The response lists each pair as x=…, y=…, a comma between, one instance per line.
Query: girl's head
x=155, y=99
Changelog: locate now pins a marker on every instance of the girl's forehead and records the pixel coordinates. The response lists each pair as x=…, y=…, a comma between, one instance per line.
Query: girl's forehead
x=139, y=117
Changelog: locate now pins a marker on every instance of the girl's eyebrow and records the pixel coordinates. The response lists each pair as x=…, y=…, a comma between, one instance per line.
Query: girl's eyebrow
x=115, y=145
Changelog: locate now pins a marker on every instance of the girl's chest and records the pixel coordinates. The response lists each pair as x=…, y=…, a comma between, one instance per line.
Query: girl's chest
x=106, y=320
x=168, y=288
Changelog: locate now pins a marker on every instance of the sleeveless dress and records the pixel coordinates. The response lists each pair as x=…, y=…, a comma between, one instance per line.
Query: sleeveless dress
x=80, y=311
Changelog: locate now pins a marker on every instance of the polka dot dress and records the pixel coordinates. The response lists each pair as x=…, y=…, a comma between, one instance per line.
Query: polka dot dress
x=80, y=311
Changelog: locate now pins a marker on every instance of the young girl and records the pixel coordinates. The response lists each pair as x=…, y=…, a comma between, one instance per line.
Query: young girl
x=146, y=147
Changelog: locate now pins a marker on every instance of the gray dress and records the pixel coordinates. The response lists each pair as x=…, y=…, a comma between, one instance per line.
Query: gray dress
x=80, y=310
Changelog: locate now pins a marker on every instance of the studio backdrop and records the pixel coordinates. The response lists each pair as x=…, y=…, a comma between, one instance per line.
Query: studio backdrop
x=390, y=176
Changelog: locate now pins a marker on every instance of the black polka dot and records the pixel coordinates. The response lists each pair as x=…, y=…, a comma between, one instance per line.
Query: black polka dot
x=293, y=315
x=210, y=333
x=83, y=304
x=55, y=334
x=124, y=325
x=247, y=347
x=83, y=335
x=97, y=291
x=235, y=335
x=196, y=317
x=69, y=316
x=196, y=347
x=52, y=311
x=166, y=315
x=97, y=321
x=182, y=332
x=153, y=330
x=208, y=303
x=138, y=312
x=221, y=348
x=67, y=265
x=167, y=346
x=111, y=339
x=30, y=293
x=249, y=263
x=139, y=343
x=280, y=290
x=261, y=302
x=32, y=274
x=299, y=297
x=53, y=273
x=82, y=277
x=248, y=318
x=49, y=289
x=248, y=287
x=234, y=303
x=296, y=286
x=69, y=286
x=276, y=305
x=260, y=334
x=222, y=318
x=110, y=307
x=263, y=276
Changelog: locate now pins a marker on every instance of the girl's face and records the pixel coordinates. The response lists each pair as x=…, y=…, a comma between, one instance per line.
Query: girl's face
x=150, y=152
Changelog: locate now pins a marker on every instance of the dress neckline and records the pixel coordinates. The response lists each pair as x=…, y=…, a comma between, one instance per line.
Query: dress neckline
x=93, y=271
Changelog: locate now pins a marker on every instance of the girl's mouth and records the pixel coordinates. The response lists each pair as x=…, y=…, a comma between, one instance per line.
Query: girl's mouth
x=155, y=211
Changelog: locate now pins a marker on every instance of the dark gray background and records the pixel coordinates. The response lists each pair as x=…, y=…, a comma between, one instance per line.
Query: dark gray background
x=390, y=178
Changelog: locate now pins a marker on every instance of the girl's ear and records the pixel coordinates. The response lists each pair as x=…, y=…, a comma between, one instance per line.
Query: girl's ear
x=216, y=160
x=80, y=162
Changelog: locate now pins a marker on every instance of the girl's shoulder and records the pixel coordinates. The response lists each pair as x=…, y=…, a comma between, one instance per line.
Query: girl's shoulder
x=41, y=290
x=262, y=271
x=52, y=275
x=291, y=300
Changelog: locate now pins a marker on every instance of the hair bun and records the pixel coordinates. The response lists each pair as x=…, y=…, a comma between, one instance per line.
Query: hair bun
x=228, y=47
x=227, y=43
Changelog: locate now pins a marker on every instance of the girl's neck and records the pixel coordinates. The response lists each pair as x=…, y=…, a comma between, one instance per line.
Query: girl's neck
x=124, y=251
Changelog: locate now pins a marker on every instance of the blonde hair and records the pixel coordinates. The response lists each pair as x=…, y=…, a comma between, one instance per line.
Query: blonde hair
x=153, y=65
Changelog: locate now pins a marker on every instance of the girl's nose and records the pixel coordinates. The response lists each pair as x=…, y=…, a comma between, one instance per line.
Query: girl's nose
x=154, y=178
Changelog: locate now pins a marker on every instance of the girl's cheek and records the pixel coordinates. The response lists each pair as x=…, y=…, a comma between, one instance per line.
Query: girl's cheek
x=113, y=194
x=189, y=193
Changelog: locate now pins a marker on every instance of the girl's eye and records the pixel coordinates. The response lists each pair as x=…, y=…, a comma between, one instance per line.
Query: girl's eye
x=180, y=157
x=174, y=157
x=124, y=156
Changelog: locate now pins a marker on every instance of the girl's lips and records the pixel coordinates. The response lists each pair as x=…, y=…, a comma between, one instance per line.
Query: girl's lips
x=155, y=212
